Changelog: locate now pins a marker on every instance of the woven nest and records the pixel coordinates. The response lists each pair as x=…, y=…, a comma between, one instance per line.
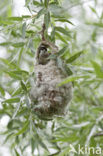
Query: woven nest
x=47, y=98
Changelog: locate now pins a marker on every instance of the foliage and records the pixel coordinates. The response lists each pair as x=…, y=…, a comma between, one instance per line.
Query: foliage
x=79, y=38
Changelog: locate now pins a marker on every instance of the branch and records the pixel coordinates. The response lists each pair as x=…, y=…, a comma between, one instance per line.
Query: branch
x=42, y=32
x=98, y=134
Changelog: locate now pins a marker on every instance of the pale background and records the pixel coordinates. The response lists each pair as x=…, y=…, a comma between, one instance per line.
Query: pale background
x=19, y=10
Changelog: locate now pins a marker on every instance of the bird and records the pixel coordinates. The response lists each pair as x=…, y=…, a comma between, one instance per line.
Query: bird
x=43, y=55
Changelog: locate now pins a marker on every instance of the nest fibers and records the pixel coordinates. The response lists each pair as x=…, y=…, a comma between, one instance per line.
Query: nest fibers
x=47, y=98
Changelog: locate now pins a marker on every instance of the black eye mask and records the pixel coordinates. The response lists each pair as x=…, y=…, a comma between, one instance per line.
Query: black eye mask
x=43, y=55
x=43, y=48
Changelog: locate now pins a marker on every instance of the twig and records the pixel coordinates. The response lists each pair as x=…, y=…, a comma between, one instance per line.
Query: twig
x=98, y=134
x=42, y=32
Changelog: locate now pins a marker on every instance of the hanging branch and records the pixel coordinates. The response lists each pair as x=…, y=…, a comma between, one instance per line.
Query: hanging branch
x=43, y=32
x=46, y=43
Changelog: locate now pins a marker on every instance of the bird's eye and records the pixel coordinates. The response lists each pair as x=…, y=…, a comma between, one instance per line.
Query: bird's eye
x=43, y=48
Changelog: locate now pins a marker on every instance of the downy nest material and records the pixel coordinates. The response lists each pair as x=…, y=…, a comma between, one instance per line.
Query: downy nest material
x=49, y=100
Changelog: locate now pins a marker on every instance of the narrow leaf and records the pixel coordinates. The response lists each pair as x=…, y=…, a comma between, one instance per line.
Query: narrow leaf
x=40, y=13
x=71, y=79
x=2, y=91
x=53, y=34
x=12, y=100
x=18, y=91
x=15, y=76
x=46, y=3
x=15, y=18
x=47, y=19
x=21, y=131
x=5, y=43
x=20, y=56
x=64, y=20
x=16, y=152
x=68, y=70
x=23, y=30
x=61, y=38
x=16, y=45
x=93, y=10
x=23, y=86
x=74, y=57
x=18, y=106
x=37, y=3
x=19, y=44
x=62, y=30
x=97, y=69
x=62, y=50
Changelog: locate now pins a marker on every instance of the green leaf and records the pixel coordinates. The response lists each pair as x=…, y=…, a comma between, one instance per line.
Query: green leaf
x=84, y=124
x=61, y=38
x=24, y=30
x=46, y=2
x=15, y=18
x=33, y=146
x=20, y=56
x=74, y=57
x=31, y=46
x=30, y=31
x=6, y=22
x=10, y=124
x=5, y=43
x=62, y=50
x=26, y=16
x=9, y=64
x=16, y=152
x=22, y=112
x=43, y=145
x=21, y=131
x=27, y=2
x=93, y=10
x=62, y=30
x=97, y=69
x=64, y=20
x=18, y=44
x=71, y=138
x=2, y=91
x=15, y=76
x=23, y=86
x=19, y=72
x=71, y=79
x=47, y=19
x=17, y=108
x=2, y=112
x=53, y=34
x=68, y=70
x=8, y=137
x=12, y=100
x=18, y=91
x=41, y=12
x=37, y=3
x=97, y=24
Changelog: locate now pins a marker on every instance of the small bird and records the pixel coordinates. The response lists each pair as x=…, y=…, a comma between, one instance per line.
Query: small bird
x=43, y=55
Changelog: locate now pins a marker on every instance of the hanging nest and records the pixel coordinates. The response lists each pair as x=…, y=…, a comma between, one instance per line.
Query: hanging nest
x=49, y=100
